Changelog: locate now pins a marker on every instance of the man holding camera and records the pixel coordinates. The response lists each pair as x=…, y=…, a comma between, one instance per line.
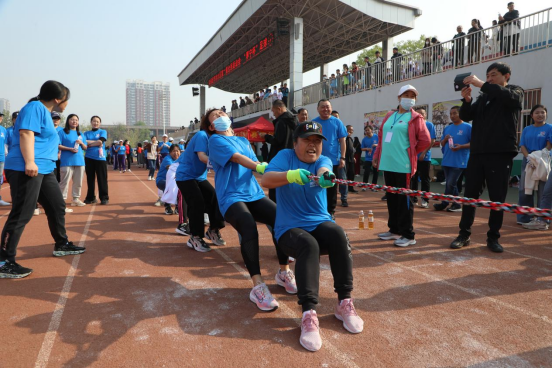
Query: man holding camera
x=494, y=117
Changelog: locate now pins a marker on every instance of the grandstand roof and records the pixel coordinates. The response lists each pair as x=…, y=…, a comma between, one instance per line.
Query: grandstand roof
x=246, y=52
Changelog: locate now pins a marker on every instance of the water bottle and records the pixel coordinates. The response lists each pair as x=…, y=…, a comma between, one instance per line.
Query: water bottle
x=451, y=143
x=101, y=151
x=370, y=220
x=361, y=220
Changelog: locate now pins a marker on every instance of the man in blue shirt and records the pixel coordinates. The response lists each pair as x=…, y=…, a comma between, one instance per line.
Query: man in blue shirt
x=456, y=152
x=285, y=94
x=368, y=145
x=3, y=138
x=164, y=147
x=424, y=162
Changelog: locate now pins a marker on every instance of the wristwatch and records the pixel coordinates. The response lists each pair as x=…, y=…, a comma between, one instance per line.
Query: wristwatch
x=342, y=158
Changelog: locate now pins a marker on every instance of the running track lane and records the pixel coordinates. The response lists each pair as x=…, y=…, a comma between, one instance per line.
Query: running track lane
x=140, y=297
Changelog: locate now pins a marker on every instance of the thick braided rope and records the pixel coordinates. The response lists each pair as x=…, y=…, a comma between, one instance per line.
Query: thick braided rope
x=496, y=206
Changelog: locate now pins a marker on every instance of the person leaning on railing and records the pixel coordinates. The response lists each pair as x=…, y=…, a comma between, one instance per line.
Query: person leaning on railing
x=511, y=29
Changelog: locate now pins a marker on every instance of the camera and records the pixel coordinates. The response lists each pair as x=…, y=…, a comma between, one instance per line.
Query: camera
x=459, y=81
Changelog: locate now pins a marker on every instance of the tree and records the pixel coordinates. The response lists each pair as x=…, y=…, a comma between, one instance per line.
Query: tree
x=6, y=122
x=405, y=47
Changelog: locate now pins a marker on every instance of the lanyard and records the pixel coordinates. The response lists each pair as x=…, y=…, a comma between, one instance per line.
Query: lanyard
x=399, y=116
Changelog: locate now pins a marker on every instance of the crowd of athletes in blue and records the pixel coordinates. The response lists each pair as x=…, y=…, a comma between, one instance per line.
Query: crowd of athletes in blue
x=300, y=210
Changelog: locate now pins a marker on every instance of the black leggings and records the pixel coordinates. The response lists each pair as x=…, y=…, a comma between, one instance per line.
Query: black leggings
x=243, y=217
x=201, y=197
x=306, y=247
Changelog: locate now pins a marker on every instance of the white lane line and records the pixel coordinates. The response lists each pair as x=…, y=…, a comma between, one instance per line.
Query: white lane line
x=141, y=181
x=49, y=339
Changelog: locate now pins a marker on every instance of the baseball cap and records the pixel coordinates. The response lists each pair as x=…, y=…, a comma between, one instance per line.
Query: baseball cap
x=120, y=140
x=146, y=141
x=164, y=135
x=408, y=87
x=181, y=140
x=171, y=139
x=55, y=115
x=307, y=129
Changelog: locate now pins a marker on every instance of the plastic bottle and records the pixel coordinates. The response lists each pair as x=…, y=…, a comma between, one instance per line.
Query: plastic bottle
x=370, y=220
x=450, y=142
x=361, y=220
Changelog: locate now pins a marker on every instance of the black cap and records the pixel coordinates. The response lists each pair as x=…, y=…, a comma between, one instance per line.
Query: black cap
x=307, y=129
x=55, y=115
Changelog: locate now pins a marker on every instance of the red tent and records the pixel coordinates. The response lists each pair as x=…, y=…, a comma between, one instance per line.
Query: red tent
x=256, y=131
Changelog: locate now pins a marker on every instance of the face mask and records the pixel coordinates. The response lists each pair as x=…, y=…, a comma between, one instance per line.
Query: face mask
x=407, y=103
x=222, y=123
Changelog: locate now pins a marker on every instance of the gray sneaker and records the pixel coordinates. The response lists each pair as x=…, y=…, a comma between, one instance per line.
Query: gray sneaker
x=215, y=237
x=198, y=244
x=404, y=242
x=536, y=224
x=424, y=204
x=388, y=236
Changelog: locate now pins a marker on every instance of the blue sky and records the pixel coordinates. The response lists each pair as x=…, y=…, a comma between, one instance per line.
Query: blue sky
x=93, y=47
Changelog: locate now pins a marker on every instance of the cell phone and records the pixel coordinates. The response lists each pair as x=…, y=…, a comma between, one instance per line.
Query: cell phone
x=459, y=81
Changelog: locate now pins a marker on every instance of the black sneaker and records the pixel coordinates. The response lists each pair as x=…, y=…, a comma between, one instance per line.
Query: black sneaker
x=12, y=270
x=384, y=198
x=168, y=210
x=344, y=204
x=175, y=211
x=440, y=206
x=460, y=241
x=455, y=208
x=104, y=202
x=88, y=201
x=67, y=250
x=494, y=246
x=183, y=229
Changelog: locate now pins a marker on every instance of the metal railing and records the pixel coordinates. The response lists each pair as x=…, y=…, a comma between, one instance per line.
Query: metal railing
x=262, y=105
x=525, y=34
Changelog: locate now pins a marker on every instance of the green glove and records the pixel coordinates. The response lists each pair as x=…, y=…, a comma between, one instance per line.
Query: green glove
x=325, y=180
x=261, y=167
x=299, y=176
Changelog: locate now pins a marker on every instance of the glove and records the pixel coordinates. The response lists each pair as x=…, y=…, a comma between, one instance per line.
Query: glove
x=326, y=180
x=261, y=167
x=299, y=176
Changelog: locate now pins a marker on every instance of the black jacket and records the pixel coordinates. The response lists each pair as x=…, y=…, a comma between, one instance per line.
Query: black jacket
x=349, y=150
x=495, y=116
x=283, y=134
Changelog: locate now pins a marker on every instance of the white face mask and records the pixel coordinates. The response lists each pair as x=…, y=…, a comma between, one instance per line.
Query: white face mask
x=407, y=103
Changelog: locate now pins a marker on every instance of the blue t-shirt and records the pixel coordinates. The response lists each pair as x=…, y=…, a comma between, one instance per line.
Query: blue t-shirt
x=333, y=129
x=165, y=147
x=368, y=143
x=233, y=182
x=460, y=134
x=191, y=167
x=94, y=152
x=181, y=146
x=121, y=150
x=69, y=158
x=301, y=206
x=9, y=136
x=3, y=138
x=35, y=117
x=163, y=168
x=534, y=138
x=431, y=130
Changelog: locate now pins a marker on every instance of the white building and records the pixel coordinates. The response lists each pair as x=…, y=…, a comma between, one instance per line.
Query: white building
x=4, y=104
x=148, y=102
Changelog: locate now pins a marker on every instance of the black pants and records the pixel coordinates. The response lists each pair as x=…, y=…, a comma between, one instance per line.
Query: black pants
x=201, y=198
x=367, y=168
x=93, y=169
x=306, y=247
x=243, y=216
x=350, y=170
x=423, y=174
x=129, y=160
x=512, y=41
x=494, y=170
x=400, y=207
x=332, y=191
x=272, y=195
x=57, y=171
x=285, y=100
x=25, y=192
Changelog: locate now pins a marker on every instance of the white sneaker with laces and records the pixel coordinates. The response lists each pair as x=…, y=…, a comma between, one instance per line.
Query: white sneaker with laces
x=345, y=311
x=261, y=296
x=404, y=242
x=77, y=203
x=286, y=279
x=158, y=203
x=68, y=210
x=4, y=203
x=310, y=331
x=536, y=224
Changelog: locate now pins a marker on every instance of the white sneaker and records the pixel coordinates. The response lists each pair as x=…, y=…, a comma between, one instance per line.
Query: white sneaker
x=4, y=203
x=149, y=178
x=536, y=224
x=286, y=279
x=404, y=242
x=158, y=203
x=206, y=219
x=129, y=170
x=310, y=332
x=68, y=210
x=77, y=203
x=388, y=236
x=36, y=212
x=198, y=244
x=424, y=204
x=261, y=296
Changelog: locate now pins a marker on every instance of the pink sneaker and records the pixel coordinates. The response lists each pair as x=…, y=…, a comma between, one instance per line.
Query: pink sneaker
x=345, y=311
x=310, y=332
x=261, y=296
x=287, y=280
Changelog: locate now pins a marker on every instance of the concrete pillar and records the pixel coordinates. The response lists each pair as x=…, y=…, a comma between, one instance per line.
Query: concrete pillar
x=387, y=48
x=295, y=63
x=201, y=101
x=324, y=70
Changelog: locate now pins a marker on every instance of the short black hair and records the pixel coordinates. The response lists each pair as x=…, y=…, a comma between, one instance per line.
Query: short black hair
x=510, y=3
x=455, y=108
x=301, y=110
x=278, y=103
x=335, y=112
x=377, y=52
x=501, y=67
x=537, y=107
x=322, y=100
x=396, y=48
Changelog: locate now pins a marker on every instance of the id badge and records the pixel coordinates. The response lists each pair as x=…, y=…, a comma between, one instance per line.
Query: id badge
x=388, y=137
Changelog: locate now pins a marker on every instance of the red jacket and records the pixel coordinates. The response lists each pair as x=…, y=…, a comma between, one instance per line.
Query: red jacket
x=418, y=136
